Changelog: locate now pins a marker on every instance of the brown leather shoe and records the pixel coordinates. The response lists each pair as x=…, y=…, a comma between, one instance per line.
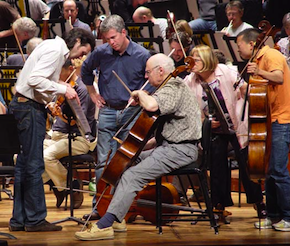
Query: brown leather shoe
x=44, y=226
x=78, y=197
x=94, y=216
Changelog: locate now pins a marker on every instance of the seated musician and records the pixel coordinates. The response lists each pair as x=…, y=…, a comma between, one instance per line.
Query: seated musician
x=234, y=12
x=273, y=67
x=221, y=78
x=57, y=147
x=284, y=43
x=177, y=147
x=24, y=27
x=70, y=13
x=16, y=59
x=143, y=15
x=178, y=55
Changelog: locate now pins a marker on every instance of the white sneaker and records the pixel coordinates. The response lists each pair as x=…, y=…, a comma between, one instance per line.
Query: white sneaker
x=94, y=233
x=119, y=227
x=282, y=225
x=265, y=224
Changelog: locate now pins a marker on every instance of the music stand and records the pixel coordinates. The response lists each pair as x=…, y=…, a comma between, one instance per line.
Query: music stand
x=70, y=117
x=10, y=143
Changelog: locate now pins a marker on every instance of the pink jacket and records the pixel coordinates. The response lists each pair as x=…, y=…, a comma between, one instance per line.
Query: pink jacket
x=227, y=76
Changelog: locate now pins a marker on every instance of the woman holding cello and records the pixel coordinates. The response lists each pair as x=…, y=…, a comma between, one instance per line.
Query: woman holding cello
x=271, y=65
x=177, y=148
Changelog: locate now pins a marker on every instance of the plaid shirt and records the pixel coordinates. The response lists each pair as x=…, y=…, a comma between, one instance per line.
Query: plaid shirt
x=176, y=100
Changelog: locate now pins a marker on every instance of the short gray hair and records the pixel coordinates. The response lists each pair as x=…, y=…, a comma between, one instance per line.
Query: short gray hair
x=32, y=43
x=25, y=24
x=112, y=22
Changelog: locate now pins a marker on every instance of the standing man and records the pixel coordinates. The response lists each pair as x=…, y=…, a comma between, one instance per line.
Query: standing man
x=178, y=146
x=37, y=85
x=271, y=65
x=70, y=13
x=128, y=60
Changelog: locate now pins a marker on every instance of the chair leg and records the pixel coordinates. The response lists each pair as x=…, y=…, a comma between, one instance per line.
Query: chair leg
x=158, y=206
x=209, y=207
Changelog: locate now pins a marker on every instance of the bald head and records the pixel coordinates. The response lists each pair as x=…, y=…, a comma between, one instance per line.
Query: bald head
x=70, y=10
x=142, y=15
x=158, y=67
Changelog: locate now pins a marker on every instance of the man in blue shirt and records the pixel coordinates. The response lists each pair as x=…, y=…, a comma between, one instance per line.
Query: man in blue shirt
x=128, y=60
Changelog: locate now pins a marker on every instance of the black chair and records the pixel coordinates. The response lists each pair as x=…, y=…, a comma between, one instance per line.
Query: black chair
x=192, y=169
x=84, y=161
x=11, y=145
x=6, y=172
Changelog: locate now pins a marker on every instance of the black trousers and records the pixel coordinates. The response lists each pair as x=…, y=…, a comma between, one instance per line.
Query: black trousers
x=220, y=171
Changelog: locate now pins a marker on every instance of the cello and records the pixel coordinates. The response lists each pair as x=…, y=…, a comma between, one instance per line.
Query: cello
x=259, y=118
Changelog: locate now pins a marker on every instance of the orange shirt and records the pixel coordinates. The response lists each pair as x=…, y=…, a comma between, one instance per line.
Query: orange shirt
x=278, y=95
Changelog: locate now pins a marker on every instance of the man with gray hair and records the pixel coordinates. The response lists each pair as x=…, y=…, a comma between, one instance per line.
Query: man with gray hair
x=24, y=27
x=177, y=145
x=128, y=60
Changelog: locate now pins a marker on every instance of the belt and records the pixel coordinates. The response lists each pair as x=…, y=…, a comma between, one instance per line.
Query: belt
x=117, y=107
x=21, y=98
x=195, y=142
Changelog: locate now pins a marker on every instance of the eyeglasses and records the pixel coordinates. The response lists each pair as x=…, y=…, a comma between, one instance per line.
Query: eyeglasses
x=197, y=60
x=147, y=72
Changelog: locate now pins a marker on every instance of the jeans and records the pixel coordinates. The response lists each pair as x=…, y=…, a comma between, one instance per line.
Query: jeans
x=110, y=120
x=277, y=184
x=29, y=208
x=202, y=25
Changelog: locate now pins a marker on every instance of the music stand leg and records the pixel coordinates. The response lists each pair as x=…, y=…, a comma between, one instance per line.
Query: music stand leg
x=70, y=177
x=7, y=235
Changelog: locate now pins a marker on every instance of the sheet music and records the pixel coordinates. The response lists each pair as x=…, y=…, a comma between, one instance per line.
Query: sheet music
x=224, y=119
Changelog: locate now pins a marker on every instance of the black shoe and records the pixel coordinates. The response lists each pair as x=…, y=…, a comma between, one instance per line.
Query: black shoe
x=44, y=226
x=78, y=197
x=94, y=216
x=16, y=228
x=60, y=195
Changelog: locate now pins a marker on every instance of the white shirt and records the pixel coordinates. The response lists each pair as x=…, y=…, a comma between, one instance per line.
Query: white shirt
x=234, y=32
x=37, y=9
x=162, y=23
x=38, y=80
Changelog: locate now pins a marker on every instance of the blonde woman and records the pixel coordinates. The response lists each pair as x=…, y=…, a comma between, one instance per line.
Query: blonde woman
x=220, y=78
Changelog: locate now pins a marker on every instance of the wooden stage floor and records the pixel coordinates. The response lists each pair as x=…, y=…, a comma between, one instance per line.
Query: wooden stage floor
x=239, y=232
